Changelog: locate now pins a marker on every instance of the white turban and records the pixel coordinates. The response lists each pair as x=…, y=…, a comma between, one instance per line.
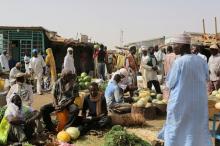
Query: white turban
x=214, y=47
x=70, y=49
x=179, y=39
x=143, y=48
x=123, y=72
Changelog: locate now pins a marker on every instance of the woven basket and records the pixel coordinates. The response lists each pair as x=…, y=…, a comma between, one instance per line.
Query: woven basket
x=212, y=109
x=126, y=119
x=161, y=107
x=3, y=98
x=147, y=113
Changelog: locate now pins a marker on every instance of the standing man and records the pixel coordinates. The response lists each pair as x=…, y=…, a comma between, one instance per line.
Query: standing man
x=188, y=100
x=4, y=61
x=214, y=68
x=149, y=69
x=131, y=64
x=169, y=59
x=27, y=61
x=69, y=61
x=37, y=66
x=50, y=62
x=101, y=62
x=158, y=53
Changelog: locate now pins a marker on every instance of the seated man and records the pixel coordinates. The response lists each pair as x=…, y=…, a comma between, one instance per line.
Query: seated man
x=64, y=92
x=114, y=96
x=22, y=89
x=24, y=122
x=95, y=103
x=13, y=72
x=126, y=83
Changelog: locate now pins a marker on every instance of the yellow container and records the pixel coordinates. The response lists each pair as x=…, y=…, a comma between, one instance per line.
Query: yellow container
x=2, y=84
x=79, y=102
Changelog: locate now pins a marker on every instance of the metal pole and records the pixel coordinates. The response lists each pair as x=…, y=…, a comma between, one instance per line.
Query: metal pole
x=203, y=22
x=216, y=30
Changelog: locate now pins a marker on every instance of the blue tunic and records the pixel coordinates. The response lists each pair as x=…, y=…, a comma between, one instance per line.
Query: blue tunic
x=187, y=110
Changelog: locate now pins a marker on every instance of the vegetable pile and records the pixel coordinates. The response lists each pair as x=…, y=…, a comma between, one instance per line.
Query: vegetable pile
x=84, y=81
x=215, y=94
x=118, y=136
x=147, y=97
x=2, y=112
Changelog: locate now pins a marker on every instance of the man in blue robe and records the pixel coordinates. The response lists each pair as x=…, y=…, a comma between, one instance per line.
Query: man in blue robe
x=187, y=109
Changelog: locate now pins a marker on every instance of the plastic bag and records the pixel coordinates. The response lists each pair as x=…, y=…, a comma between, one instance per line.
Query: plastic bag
x=4, y=128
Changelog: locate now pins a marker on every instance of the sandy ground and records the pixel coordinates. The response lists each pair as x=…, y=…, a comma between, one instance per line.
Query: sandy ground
x=147, y=133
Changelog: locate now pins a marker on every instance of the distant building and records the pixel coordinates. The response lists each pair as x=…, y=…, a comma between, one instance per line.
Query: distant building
x=20, y=40
x=148, y=43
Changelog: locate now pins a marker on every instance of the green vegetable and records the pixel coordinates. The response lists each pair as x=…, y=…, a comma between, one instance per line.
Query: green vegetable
x=2, y=112
x=118, y=136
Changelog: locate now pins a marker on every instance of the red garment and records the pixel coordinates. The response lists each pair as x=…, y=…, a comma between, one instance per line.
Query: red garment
x=132, y=62
x=95, y=54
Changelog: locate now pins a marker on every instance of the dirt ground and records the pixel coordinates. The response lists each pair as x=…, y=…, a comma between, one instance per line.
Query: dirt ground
x=148, y=132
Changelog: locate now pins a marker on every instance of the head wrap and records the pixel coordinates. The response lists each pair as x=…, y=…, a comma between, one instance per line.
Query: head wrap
x=34, y=51
x=143, y=48
x=18, y=75
x=123, y=72
x=214, y=46
x=70, y=49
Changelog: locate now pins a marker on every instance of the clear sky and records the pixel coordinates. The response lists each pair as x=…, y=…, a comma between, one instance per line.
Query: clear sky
x=103, y=19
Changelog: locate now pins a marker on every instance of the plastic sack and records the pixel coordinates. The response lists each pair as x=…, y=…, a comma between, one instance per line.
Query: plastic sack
x=4, y=128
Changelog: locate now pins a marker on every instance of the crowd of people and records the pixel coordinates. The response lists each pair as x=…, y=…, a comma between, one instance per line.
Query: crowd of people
x=186, y=71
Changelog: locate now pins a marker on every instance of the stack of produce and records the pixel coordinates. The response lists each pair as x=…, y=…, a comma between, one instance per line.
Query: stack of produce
x=118, y=136
x=71, y=133
x=2, y=112
x=147, y=97
x=84, y=81
x=215, y=94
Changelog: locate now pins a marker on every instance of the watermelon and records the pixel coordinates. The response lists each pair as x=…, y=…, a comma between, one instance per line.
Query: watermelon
x=87, y=79
x=159, y=96
x=87, y=84
x=83, y=75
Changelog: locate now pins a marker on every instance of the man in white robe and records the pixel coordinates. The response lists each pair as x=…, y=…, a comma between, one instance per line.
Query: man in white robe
x=27, y=61
x=22, y=89
x=69, y=61
x=37, y=66
x=4, y=61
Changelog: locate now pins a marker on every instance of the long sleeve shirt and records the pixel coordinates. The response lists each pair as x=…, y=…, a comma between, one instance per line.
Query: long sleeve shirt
x=113, y=94
x=214, y=67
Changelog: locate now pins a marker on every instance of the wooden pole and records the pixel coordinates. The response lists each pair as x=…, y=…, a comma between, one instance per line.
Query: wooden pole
x=203, y=22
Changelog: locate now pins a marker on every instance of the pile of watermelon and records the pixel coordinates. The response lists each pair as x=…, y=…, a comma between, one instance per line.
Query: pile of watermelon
x=84, y=81
x=147, y=98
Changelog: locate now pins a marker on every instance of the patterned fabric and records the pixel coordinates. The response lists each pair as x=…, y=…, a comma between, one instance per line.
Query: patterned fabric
x=58, y=92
